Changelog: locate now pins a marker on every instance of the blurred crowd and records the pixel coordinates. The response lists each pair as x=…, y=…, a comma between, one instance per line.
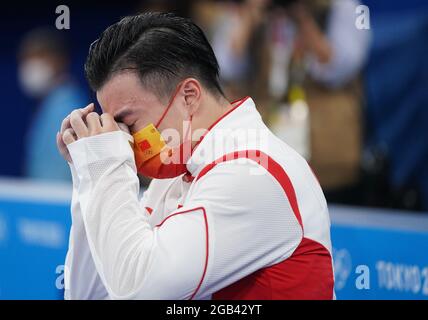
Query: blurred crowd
x=302, y=61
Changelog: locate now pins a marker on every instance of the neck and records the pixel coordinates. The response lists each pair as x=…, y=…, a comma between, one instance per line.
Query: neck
x=212, y=110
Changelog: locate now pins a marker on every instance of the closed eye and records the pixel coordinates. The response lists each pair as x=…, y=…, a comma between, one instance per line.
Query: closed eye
x=122, y=115
x=132, y=128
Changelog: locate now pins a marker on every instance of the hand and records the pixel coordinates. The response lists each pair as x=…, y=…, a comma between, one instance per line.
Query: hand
x=67, y=133
x=92, y=125
x=310, y=37
x=83, y=123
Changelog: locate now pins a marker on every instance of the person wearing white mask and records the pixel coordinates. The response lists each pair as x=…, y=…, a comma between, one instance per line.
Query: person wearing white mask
x=43, y=75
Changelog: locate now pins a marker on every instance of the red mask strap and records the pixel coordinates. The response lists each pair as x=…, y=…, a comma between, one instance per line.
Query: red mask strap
x=188, y=129
x=169, y=105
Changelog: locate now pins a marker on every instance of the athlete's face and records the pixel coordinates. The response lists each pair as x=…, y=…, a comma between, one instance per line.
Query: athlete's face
x=124, y=97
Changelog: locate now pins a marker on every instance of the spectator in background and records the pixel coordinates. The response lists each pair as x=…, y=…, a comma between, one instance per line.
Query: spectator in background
x=43, y=75
x=274, y=47
x=330, y=52
x=238, y=37
x=336, y=50
x=247, y=34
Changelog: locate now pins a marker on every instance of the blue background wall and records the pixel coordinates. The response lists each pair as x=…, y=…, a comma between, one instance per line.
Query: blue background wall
x=88, y=20
x=393, y=246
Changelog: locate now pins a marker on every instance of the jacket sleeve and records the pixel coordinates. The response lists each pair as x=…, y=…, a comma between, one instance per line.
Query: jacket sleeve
x=133, y=259
x=81, y=277
x=232, y=224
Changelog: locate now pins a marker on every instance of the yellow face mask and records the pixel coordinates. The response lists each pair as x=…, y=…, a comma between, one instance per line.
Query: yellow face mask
x=148, y=143
x=153, y=157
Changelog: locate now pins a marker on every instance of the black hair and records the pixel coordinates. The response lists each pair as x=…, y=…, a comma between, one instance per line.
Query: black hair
x=162, y=48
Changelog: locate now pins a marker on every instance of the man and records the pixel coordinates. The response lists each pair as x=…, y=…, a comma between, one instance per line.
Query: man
x=232, y=212
x=44, y=75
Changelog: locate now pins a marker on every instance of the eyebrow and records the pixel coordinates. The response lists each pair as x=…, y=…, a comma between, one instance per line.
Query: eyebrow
x=122, y=114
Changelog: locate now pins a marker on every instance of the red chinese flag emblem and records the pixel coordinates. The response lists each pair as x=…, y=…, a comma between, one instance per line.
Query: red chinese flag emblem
x=144, y=145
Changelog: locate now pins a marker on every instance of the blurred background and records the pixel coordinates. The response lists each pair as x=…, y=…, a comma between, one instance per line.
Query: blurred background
x=345, y=82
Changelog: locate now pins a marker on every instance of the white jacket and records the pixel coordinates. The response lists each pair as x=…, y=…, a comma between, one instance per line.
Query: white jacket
x=251, y=224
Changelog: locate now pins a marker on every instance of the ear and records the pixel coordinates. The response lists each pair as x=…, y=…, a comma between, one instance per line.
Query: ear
x=192, y=90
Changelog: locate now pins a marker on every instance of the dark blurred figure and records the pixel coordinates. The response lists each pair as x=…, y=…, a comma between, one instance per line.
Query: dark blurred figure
x=308, y=54
x=43, y=75
x=330, y=53
x=240, y=41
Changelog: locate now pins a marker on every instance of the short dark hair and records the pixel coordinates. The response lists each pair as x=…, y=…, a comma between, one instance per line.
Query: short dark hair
x=162, y=48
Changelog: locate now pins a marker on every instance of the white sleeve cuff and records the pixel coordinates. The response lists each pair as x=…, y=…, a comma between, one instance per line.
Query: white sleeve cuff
x=110, y=145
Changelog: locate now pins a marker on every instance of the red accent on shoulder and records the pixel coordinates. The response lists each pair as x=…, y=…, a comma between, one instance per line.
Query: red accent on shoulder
x=270, y=165
x=149, y=210
x=187, y=177
x=306, y=275
x=206, y=243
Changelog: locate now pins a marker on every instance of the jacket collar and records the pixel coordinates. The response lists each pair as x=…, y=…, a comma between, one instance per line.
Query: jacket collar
x=221, y=137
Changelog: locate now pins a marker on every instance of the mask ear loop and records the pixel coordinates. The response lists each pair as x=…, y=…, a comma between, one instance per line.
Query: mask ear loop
x=169, y=105
x=188, y=139
x=188, y=129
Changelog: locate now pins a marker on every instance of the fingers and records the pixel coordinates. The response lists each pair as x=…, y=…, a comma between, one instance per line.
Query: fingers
x=83, y=123
x=108, y=123
x=78, y=124
x=94, y=124
x=65, y=124
x=84, y=111
x=89, y=108
x=60, y=143
x=69, y=136
x=89, y=125
x=62, y=147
